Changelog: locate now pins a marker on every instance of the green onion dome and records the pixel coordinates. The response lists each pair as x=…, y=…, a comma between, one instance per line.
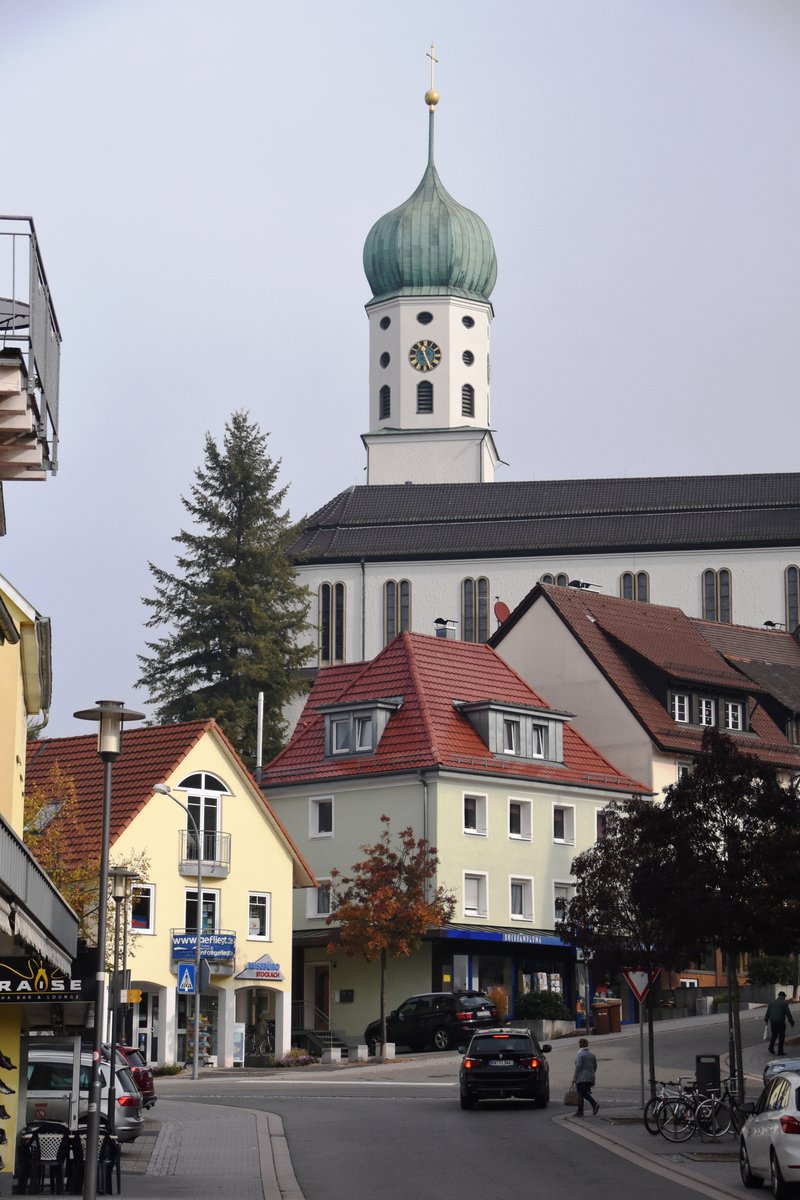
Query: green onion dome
x=430, y=246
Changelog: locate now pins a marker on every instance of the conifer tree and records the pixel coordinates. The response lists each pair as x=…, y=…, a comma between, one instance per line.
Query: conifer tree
x=234, y=614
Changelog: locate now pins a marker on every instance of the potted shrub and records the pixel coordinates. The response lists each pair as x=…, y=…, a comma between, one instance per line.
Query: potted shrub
x=545, y=1014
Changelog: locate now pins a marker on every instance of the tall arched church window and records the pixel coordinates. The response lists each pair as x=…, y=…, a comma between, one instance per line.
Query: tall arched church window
x=792, y=598
x=635, y=585
x=396, y=608
x=468, y=400
x=717, y=598
x=475, y=610
x=384, y=402
x=560, y=580
x=331, y=623
x=425, y=396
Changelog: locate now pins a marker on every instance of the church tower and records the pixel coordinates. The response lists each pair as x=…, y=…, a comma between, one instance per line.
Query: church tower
x=431, y=267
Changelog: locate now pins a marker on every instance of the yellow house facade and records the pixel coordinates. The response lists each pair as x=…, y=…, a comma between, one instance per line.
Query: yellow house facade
x=249, y=866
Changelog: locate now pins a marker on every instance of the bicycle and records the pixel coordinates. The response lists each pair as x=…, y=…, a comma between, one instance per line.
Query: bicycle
x=679, y=1118
x=671, y=1090
x=261, y=1042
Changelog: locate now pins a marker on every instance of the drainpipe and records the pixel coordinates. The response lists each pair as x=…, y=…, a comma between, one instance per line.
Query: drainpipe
x=363, y=611
x=424, y=783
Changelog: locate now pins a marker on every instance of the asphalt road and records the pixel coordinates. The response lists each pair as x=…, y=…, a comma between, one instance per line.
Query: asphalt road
x=398, y=1131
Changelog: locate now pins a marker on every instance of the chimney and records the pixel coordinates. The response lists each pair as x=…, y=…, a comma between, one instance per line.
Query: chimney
x=444, y=628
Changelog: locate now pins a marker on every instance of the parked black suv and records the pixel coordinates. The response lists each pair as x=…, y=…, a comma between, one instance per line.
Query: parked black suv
x=440, y=1019
x=503, y=1064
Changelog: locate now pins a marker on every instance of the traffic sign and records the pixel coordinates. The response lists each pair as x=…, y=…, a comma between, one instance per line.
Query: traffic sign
x=639, y=983
x=186, y=979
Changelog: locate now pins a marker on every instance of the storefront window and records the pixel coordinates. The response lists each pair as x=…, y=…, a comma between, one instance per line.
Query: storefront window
x=209, y=1021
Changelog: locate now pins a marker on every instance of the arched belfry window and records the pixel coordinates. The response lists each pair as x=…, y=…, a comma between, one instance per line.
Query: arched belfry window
x=331, y=623
x=468, y=400
x=425, y=396
x=384, y=402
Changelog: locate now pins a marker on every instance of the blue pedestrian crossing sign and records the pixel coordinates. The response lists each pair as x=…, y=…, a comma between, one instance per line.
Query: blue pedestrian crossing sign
x=186, y=979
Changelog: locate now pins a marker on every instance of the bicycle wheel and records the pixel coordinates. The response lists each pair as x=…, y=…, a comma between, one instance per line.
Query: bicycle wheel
x=713, y=1118
x=650, y=1114
x=676, y=1120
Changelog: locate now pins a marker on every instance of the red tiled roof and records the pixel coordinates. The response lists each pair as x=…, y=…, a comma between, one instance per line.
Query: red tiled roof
x=150, y=755
x=431, y=674
x=610, y=629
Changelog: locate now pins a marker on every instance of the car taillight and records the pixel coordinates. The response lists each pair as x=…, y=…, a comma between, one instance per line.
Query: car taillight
x=471, y=1062
x=531, y=1063
x=790, y=1125
x=128, y=1101
x=463, y=1016
x=495, y=1014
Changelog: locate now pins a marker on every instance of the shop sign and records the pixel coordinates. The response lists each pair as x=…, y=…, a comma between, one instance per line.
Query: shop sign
x=502, y=935
x=216, y=946
x=265, y=968
x=32, y=979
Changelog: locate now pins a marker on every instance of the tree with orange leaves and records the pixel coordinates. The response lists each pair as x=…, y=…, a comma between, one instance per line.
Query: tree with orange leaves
x=384, y=907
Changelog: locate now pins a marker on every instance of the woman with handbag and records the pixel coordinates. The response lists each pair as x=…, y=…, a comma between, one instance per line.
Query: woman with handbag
x=584, y=1077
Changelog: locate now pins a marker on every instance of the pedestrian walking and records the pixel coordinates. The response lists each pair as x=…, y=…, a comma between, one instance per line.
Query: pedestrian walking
x=776, y=1016
x=584, y=1077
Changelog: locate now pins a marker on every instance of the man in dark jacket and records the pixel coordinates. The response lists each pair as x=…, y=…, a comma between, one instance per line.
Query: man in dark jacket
x=776, y=1016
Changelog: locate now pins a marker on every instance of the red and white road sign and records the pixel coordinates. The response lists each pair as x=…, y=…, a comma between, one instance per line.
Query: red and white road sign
x=639, y=983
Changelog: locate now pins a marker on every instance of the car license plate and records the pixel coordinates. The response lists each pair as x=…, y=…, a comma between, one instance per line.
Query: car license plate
x=483, y=1012
x=498, y=1062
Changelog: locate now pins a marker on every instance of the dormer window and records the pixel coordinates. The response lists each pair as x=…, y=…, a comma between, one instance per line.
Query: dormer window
x=357, y=728
x=733, y=715
x=679, y=707
x=525, y=732
x=708, y=711
x=510, y=736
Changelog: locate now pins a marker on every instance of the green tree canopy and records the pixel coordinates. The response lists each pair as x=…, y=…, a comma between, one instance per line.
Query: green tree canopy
x=383, y=908
x=235, y=616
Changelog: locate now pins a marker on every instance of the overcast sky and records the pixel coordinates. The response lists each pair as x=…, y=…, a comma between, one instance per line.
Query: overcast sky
x=203, y=175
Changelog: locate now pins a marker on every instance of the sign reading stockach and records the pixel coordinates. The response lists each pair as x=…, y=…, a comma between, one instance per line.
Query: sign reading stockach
x=264, y=968
x=26, y=979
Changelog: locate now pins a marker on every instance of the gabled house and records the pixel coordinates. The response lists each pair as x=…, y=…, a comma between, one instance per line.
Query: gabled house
x=445, y=737
x=249, y=867
x=645, y=681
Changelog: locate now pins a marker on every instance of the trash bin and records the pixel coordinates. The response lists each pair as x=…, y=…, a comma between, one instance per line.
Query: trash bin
x=706, y=1071
x=600, y=1018
x=614, y=1016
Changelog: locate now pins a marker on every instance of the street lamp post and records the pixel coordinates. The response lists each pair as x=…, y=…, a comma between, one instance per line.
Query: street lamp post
x=164, y=789
x=120, y=889
x=109, y=715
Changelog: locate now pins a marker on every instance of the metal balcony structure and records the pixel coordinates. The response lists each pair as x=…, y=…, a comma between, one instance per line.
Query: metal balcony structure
x=30, y=356
x=216, y=851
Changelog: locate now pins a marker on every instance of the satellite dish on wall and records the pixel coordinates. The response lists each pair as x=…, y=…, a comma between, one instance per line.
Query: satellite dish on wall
x=501, y=611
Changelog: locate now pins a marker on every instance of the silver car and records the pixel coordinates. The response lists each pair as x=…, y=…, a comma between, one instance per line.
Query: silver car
x=769, y=1144
x=50, y=1090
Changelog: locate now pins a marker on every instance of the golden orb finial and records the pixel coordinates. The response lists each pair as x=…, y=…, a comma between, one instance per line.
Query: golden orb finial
x=432, y=96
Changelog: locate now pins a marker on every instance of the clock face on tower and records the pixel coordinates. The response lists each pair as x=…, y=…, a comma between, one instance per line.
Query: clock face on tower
x=424, y=355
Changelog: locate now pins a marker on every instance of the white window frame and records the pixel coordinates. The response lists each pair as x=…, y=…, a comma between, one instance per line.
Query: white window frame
x=314, y=830
x=512, y=732
x=569, y=824
x=599, y=814
x=207, y=893
x=481, y=878
x=267, y=899
x=684, y=768
x=150, y=889
x=340, y=723
x=525, y=821
x=313, y=897
x=707, y=709
x=526, y=883
x=569, y=884
x=734, y=708
x=363, y=723
x=680, y=707
x=538, y=740
x=481, y=814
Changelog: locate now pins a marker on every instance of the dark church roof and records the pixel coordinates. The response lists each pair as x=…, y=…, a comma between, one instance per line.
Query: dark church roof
x=552, y=516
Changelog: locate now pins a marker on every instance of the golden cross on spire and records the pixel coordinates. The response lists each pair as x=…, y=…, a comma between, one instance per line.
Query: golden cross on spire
x=432, y=96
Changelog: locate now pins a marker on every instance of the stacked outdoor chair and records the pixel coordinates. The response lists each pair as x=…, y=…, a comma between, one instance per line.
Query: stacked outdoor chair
x=44, y=1158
